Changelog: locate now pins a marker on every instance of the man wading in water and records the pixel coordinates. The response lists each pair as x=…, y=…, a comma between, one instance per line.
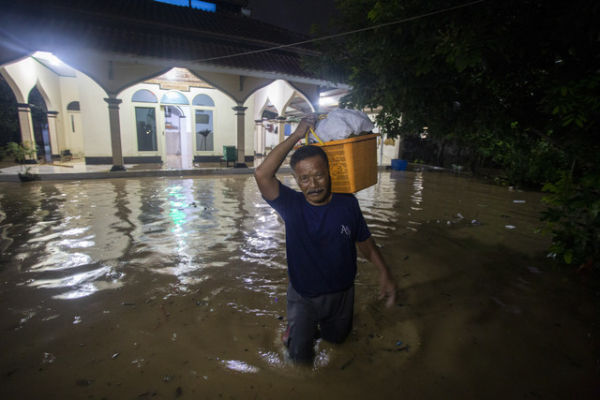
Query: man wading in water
x=322, y=231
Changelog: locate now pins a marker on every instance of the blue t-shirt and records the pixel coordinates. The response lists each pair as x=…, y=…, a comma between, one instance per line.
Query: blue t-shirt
x=320, y=240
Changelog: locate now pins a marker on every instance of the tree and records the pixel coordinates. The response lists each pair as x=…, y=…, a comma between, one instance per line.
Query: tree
x=515, y=82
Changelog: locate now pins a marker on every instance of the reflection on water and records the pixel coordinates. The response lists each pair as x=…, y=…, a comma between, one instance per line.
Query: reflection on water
x=189, y=275
x=77, y=239
x=239, y=366
x=71, y=240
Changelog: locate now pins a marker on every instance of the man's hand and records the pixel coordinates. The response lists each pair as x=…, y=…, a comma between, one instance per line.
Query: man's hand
x=387, y=285
x=265, y=172
x=387, y=288
x=305, y=124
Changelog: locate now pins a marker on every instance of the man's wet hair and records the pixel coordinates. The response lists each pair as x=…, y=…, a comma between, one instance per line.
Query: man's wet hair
x=305, y=152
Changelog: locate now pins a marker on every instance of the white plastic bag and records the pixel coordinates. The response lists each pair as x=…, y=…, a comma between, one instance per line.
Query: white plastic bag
x=341, y=123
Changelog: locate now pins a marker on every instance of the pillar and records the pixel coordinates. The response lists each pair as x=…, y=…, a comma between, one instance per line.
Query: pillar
x=115, y=133
x=26, y=127
x=281, y=121
x=55, y=145
x=259, y=141
x=25, y=123
x=240, y=112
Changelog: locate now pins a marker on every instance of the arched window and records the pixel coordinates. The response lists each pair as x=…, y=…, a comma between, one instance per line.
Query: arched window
x=144, y=96
x=73, y=106
x=174, y=98
x=203, y=100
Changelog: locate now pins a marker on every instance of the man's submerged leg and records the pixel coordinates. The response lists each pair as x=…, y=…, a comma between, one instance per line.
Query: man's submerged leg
x=336, y=321
x=302, y=327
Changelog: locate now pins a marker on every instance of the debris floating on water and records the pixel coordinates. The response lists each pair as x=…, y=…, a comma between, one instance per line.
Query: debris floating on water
x=347, y=363
x=510, y=227
x=518, y=201
x=534, y=270
x=48, y=358
x=139, y=362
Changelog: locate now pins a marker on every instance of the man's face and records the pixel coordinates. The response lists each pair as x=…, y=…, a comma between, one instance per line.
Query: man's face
x=312, y=176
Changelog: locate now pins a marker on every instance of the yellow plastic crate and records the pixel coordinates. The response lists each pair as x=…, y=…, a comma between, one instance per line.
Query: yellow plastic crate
x=352, y=163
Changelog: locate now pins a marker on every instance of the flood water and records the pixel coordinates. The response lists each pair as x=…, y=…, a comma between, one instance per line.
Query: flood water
x=175, y=288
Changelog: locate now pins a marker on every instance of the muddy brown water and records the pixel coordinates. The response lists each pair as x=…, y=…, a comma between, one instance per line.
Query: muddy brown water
x=175, y=288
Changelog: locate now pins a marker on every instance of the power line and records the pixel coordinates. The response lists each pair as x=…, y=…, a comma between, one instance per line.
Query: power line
x=337, y=35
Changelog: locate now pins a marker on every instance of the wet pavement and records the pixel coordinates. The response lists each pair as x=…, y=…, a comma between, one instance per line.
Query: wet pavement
x=78, y=169
x=166, y=287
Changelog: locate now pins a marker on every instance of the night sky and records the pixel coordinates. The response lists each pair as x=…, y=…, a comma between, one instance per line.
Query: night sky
x=295, y=15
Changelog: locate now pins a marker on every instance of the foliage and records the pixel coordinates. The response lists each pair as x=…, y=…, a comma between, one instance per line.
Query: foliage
x=19, y=152
x=573, y=218
x=515, y=83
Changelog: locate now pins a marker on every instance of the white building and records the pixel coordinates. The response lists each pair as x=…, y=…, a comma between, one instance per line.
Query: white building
x=138, y=81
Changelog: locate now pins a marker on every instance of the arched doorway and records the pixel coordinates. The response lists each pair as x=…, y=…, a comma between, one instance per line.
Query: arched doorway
x=177, y=137
x=39, y=119
x=173, y=125
x=9, y=121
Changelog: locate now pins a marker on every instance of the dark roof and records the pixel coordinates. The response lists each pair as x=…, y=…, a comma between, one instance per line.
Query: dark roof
x=148, y=29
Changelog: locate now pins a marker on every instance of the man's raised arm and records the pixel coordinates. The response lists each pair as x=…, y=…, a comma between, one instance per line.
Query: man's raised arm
x=265, y=172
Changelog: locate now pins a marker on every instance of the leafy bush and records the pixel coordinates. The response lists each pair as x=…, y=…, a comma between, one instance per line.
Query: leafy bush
x=573, y=218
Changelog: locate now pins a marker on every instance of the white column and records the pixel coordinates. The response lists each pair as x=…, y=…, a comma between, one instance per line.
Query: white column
x=259, y=142
x=240, y=112
x=115, y=133
x=55, y=146
x=25, y=123
x=281, y=121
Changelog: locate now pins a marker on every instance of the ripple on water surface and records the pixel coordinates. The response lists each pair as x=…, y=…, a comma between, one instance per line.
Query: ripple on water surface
x=74, y=239
x=214, y=240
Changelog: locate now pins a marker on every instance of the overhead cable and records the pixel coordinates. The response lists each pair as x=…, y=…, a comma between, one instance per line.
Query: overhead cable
x=337, y=35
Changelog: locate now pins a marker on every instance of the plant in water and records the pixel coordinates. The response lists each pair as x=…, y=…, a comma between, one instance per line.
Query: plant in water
x=21, y=153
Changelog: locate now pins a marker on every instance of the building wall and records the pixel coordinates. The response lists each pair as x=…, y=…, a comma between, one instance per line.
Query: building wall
x=86, y=133
x=28, y=73
x=94, y=118
x=224, y=121
x=71, y=131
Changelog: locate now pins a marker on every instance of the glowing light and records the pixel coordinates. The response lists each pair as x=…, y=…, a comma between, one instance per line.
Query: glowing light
x=328, y=101
x=49, y=57
x=172, y=74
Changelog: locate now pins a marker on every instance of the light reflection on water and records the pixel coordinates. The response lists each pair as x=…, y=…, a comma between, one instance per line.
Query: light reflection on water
x=239, y=366
x=135, y=283
x=75, y=239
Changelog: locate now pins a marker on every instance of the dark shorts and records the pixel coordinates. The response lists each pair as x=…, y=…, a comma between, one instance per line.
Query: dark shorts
x=329, y=313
